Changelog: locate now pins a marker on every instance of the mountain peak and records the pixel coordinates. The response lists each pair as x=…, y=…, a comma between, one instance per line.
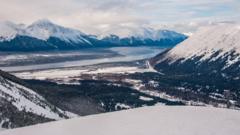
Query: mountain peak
x=44, y=29
x=9, y=30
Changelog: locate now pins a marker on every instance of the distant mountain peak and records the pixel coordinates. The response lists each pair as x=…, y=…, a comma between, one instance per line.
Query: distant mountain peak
x=47, y=24
x=44, y=29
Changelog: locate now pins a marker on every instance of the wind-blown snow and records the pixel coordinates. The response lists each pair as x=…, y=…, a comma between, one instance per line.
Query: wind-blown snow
x=157, y=120
x=222, y=38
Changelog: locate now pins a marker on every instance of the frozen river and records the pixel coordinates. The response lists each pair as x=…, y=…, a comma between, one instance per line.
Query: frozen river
x=39, y=61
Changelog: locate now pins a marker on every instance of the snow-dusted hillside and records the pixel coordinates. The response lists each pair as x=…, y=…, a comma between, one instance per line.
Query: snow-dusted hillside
x=214, y=49
x=20, y=102
x=208, y=62
x=156, y=120
x=211, y=43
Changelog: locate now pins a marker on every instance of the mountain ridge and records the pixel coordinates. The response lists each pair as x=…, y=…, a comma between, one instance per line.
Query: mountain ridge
x=55, y=37
x=209, y=44
x=206, y=63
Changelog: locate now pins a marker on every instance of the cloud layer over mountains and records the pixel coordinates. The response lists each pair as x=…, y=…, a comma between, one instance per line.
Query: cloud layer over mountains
x=94, y=16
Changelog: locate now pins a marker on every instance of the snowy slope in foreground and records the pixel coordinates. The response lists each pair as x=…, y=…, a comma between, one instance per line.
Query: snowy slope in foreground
x=156, y=120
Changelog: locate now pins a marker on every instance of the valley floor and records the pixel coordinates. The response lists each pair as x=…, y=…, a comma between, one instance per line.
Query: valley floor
x=121, y=80
x=138, y=75
x=167, y=120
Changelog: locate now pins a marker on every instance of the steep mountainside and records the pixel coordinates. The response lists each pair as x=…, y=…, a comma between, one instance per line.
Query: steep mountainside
x=21, y=106
x=213, y=50
x=208, y=62
x=45, y=35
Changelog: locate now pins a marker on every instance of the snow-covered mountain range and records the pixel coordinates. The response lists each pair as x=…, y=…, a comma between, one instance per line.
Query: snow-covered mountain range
x=21, y=106
x=41, y=29
x=45, y=35
x=147, y=36
x=165, y=120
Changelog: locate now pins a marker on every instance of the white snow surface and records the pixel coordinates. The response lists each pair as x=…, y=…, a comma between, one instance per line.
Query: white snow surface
x=207, y=41
x=157, y=120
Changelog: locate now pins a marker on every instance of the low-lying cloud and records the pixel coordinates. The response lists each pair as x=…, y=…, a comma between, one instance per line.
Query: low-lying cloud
x=104, y=16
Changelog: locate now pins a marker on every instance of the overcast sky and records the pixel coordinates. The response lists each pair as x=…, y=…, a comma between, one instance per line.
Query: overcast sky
x=96, y=16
